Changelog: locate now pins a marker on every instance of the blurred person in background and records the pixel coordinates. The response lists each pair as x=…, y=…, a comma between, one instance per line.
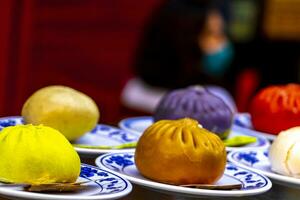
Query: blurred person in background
x=185, y=43
x=266, y=37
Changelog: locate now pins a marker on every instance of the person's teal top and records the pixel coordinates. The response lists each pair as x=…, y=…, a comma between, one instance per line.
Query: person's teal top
x=216, y=64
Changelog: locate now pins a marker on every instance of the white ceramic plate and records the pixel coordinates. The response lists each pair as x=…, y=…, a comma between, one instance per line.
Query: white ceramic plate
x=257, y=160
x=137, y=125
x=243, y=121
x=123, y=164
x=104, y=185
x=101, y=135
x=107, y=136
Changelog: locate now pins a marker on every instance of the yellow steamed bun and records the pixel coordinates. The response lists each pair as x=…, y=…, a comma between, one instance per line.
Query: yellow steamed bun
x=36, y=155
x=71, y=112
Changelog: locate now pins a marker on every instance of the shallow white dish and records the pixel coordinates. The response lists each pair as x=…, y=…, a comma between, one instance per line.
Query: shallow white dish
x=243, y=121
x=103, y=185
x=123, y=164
x=107, y=136
x=137, y=125
x=257, y=160
x=101, y=135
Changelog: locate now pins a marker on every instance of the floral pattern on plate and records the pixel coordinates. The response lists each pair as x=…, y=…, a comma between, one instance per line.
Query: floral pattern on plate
x=123, y=164
x=243, y=121
x=10, y=121
x=257, y=160
x=102, y=185
x=101, y=135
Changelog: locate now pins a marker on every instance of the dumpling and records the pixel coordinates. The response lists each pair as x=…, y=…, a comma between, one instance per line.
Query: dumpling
x=36, y=155
x=180, y=152
x=198, y=103
x=276, y=108
x=284, y=152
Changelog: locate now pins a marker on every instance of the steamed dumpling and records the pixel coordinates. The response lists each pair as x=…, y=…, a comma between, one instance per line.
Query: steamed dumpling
x=284, y=153
x=180, y=152
x=198, y=103
x=71, y=112
x=36, y=155
x=276, y=108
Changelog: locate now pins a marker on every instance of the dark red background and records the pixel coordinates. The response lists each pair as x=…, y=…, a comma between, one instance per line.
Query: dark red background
x=88, y=45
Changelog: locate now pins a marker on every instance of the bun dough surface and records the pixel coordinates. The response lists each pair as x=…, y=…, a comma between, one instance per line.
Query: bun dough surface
x=198, y=103
x=276, y=108
x=180, y=152
x=284, y=153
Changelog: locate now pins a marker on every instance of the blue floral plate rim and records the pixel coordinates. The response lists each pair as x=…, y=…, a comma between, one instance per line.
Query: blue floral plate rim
x=243, y=121
x=104, y=185
x=128, y=125
x=126, y=160
x=118, y=136
x=257, y=160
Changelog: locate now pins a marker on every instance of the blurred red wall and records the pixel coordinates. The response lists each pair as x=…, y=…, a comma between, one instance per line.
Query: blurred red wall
x=85, y=44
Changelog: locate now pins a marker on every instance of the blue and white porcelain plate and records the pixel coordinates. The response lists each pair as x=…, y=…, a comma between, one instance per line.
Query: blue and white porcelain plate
x=257, y=160
x=10, y=121
x=101, y=185
x=123, y=164
x=137, y=125
x=243, y=121
x=101, y=135
x=104, y=135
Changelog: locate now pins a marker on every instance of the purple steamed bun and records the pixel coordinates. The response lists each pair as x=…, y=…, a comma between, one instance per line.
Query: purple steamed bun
x=198, y=103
